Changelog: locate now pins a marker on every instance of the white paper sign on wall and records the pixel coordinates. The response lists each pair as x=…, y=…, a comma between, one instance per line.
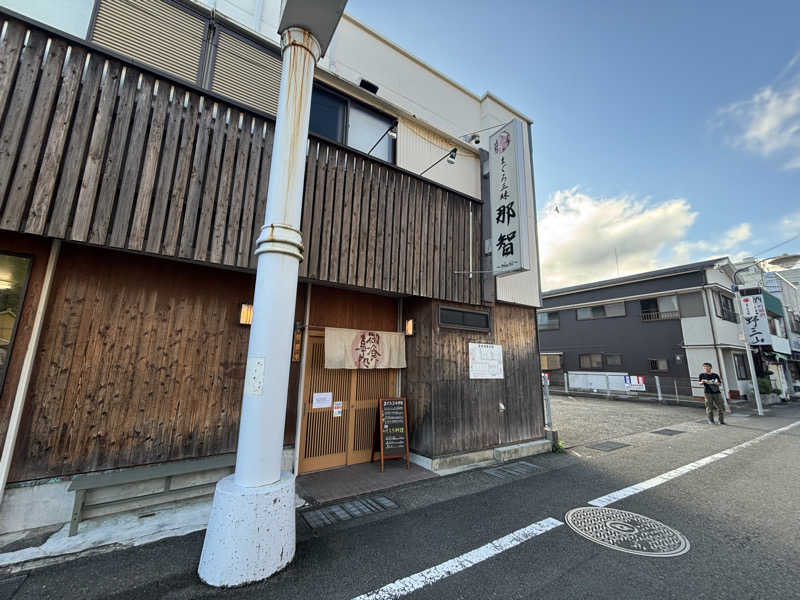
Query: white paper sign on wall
x=485, y=361
x=322, y=400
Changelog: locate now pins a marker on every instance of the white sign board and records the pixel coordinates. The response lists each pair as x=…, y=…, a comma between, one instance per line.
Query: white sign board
x=508, y=200
x=322, y=400
x=485, y=361
x=635, y=383
x=337, y=408
x=756, y=325
x=771, y=283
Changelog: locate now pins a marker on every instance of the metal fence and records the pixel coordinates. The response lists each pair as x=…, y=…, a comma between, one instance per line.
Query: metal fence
x=656, y=388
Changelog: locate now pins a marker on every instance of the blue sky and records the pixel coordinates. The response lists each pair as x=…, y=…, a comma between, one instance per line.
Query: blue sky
x=667, y=130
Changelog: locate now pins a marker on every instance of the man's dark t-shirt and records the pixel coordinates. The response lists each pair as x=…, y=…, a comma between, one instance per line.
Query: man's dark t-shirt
x=712, y=388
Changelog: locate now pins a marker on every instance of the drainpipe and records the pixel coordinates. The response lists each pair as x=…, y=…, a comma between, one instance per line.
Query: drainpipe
x=27, y=369
x=708, y=303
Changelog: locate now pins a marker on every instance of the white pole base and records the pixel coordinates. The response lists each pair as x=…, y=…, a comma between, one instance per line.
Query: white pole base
x=251, y=532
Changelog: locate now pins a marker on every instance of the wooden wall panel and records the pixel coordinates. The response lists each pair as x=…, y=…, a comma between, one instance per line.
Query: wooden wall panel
x=515, y=330
x=450, y=413
x=335, y=307
x=136, y=161
x=139, y=361
x=417, y=378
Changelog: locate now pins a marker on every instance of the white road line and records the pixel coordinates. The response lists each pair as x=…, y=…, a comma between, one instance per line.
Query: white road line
x=669, y=475
x=409, y=584
x=406, y=585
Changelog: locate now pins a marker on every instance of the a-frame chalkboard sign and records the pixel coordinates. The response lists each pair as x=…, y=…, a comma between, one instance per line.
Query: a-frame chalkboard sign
x=393, y=427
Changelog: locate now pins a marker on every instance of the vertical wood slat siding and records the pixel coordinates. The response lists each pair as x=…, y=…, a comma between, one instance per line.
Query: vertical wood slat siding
x=116, y=156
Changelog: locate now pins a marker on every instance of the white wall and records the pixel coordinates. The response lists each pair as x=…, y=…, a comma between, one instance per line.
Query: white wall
x=418, y=148
x=402, y=79
x=719, y=276
x=728, y=333
x=696, y=331
x=72, y=16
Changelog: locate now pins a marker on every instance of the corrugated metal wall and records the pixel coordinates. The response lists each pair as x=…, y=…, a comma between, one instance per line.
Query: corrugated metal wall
x=155, y=32
x=236, y=58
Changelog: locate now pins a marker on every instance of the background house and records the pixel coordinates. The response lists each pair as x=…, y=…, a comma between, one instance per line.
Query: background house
x=663, y=323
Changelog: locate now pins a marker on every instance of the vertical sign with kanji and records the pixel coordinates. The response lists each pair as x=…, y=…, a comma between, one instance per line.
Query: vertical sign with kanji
x=756, y=324
x=509, y=204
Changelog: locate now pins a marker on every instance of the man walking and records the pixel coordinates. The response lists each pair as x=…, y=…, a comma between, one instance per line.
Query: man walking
x=711, y=382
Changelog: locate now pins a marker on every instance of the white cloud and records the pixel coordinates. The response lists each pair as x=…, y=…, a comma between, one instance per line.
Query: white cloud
x=790, y=224
x=769, y=122
x=713, y=246
x=579, y=234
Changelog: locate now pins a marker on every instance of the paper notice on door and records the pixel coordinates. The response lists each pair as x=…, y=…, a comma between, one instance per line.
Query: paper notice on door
x=337, y=408
x=322, y=400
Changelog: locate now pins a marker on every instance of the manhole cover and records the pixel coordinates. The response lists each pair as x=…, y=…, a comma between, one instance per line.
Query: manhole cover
x=608, y=446
x=627, y=532
x=667, y=431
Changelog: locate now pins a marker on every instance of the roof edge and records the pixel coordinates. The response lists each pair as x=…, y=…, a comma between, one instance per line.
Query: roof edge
x=666, y=272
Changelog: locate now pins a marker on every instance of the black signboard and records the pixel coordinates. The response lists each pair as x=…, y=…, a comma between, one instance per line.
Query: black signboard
x=393, y=429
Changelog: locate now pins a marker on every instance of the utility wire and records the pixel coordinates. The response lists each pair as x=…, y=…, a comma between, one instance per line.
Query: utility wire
x=791, y=239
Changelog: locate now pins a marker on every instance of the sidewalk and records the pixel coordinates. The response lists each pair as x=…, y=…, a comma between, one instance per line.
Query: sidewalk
x=167, y=569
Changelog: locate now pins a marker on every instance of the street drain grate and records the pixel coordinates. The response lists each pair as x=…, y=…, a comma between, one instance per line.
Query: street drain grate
x=608, y=446
x=667, y=431
x=511, y=470
x=627, y=532
x=328, y=515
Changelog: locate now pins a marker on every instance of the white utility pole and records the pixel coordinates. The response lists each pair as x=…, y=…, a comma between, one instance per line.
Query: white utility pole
x=251, y=530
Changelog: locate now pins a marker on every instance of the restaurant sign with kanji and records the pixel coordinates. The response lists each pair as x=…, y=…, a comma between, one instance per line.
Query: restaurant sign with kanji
x=510, y=244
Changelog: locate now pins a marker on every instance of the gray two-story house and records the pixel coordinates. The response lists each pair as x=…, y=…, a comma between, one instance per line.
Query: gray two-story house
x=663, y=323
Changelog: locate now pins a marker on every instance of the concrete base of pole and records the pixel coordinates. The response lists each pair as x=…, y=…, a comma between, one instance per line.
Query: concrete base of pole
x=251, y=532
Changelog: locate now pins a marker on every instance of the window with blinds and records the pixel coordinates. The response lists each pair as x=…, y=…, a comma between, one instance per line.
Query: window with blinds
x=246, y=73
x=155, y=32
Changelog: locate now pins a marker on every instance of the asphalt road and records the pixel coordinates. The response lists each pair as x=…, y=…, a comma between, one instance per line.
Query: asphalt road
x=740, y=514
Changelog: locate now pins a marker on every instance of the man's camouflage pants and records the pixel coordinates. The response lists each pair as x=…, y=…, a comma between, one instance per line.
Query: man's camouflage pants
x=714, y=401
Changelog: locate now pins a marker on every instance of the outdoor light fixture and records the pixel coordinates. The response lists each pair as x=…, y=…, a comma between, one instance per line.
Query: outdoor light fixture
x=392, y=132
x=450, y=156
x=409, y=327
x=246, y=314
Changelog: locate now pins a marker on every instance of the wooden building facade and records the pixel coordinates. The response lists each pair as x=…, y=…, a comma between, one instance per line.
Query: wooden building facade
x=155, y=189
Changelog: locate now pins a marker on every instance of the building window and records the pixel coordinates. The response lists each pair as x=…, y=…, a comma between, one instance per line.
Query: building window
x=335, y=117
x=590, y=361
x=328, y=115
x=602, y=311
x=548, y=320
x=660, y=309
x=459, y=318
x=365, y=127
x=613, y=360
x=551, y=362
x=658, y=364
x=14, y=272
x=724, y=307
x=740, y=362
x=776, y=326
x=794, y=323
